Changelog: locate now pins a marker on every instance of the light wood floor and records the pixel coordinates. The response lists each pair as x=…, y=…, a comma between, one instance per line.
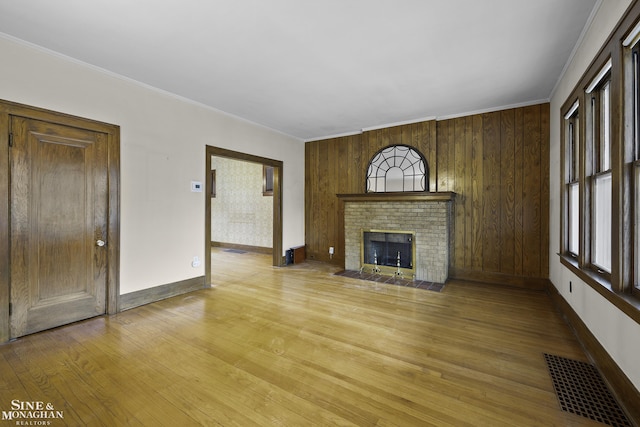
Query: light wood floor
x=298, y=346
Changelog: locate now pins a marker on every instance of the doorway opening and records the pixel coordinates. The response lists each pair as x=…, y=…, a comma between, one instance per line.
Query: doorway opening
x=211, y=188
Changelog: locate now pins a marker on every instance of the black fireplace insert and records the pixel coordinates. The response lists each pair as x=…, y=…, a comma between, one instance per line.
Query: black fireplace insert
x=388, y=248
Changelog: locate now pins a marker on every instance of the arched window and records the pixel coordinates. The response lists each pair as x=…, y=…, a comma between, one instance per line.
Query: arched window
x=397, y=168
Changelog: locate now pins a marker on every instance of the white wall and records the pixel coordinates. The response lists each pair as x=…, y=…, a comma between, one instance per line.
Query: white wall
x=163, y=141
x=618, y=333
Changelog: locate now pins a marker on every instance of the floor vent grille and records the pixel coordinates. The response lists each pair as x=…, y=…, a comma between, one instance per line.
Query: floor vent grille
x=582, y=391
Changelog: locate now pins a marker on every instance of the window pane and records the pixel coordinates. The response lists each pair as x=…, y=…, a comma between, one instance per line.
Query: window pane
x=395, y=179
x=573, y=152
x=637, y=224
x=573, y=218
x=636, y=102
x=602, y=222
x=605, y=128
x=409, y=182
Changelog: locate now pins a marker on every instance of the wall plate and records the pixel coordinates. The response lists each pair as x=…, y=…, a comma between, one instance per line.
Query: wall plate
x=196, y=187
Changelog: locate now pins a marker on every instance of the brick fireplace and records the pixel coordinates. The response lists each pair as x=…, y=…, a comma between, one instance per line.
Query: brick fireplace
x=427, y=215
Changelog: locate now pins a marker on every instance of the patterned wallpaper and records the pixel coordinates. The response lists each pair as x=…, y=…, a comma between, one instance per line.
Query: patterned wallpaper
x=240, y=214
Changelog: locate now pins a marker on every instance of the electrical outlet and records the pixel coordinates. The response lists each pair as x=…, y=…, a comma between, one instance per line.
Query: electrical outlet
x=196, y=262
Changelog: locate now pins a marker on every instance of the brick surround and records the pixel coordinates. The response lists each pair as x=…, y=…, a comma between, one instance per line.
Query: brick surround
x=429, y=219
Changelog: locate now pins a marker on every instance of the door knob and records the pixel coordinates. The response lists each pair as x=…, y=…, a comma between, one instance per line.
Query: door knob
x=101, y=243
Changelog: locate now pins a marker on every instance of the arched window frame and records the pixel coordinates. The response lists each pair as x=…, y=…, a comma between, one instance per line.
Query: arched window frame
x=409, y=160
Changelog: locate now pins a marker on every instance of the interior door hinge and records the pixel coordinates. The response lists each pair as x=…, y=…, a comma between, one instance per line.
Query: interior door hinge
x=10, y=140
x=10, y=309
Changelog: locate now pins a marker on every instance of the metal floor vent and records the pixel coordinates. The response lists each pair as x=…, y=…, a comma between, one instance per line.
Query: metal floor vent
x=582, y=391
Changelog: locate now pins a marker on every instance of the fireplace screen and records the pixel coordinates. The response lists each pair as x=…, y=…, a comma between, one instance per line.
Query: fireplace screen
x=388, y=252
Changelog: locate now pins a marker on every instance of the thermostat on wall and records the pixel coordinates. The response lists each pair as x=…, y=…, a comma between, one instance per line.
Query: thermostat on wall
x=196, y=187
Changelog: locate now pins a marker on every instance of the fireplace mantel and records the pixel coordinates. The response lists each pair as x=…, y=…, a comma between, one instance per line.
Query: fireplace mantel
x=421, y=196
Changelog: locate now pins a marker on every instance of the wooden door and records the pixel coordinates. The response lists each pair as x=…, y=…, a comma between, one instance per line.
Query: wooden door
x=59, y=213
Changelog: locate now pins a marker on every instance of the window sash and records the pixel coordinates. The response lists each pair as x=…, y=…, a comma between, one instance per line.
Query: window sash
x=636, y=100
x=572, y=191
x=600, y=126
x=636, y=224
x=605, y=128
x=573, y=147
x=635, y=185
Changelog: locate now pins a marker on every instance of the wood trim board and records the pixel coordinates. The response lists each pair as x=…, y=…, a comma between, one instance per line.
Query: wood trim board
x=157, y=293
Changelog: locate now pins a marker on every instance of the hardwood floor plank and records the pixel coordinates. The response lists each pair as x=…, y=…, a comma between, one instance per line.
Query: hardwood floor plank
x=298, y=346
x=10, y=380
x=40, y=385
x=131, y=380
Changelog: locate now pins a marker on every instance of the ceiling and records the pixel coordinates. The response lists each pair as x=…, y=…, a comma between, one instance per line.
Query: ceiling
x=312, y=69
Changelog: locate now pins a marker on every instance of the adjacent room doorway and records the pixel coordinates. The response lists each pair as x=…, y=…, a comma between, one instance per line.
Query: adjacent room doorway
x=277, y=259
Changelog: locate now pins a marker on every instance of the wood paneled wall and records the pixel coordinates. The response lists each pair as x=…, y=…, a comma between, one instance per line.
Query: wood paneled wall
x=497, y=164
